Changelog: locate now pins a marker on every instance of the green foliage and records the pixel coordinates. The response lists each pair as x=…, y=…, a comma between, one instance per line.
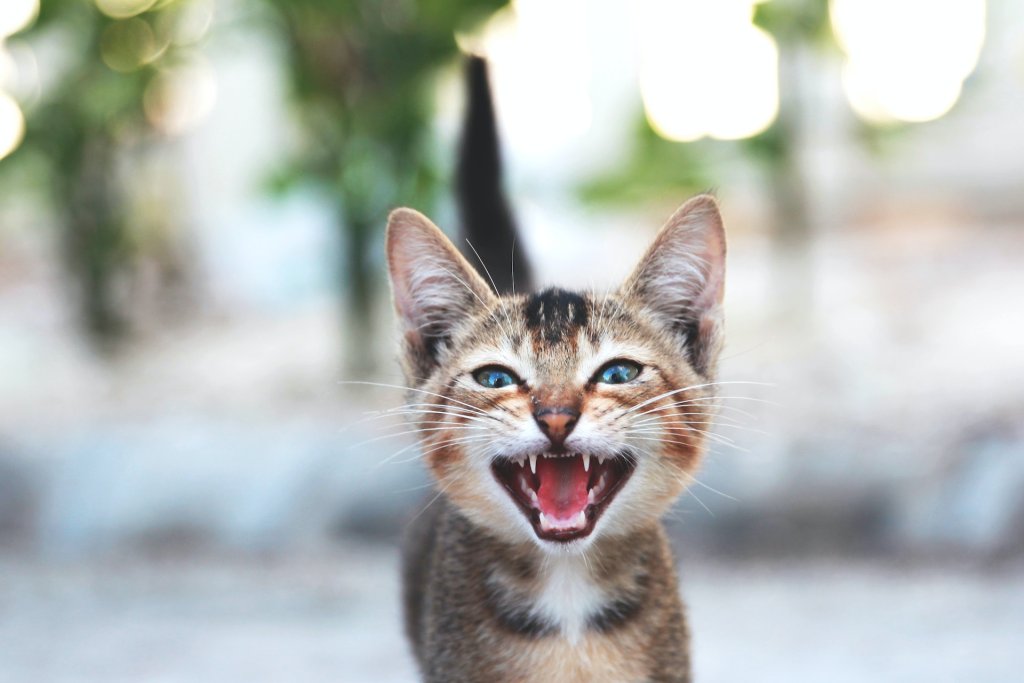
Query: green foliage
x=78, y=130
x=796, y=21
x=659, y=167
x=771, y=147
x=656, y=169
x=362, y=76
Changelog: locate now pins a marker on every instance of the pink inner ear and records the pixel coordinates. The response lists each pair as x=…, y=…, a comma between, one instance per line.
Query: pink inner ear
x=714, y=282
x=433, y=285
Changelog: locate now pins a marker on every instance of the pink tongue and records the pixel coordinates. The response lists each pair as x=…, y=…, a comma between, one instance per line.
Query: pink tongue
x=563, y=486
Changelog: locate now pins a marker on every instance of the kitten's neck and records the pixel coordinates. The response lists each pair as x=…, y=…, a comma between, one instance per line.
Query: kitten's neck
x=538, y=592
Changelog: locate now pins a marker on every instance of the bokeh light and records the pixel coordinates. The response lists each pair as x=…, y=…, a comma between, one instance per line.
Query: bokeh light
x=181, y=96
x=706, y=69
x=12, y=125
x=127, y=45
x=186, y=23
x=7, y=69
x=16, y=15
x=540, y=61
x=123, y=9
x=907, y=59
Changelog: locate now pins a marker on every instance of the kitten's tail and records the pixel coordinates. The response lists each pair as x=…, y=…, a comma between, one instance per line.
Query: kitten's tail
x=486, y=217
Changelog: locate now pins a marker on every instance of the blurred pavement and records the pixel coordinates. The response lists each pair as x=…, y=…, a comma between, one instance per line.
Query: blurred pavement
x=335, y=618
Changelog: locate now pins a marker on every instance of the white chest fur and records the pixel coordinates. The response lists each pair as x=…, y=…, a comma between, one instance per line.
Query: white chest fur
x=568, y=595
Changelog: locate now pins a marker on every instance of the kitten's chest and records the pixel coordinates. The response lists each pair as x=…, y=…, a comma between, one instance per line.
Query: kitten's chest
x=566, y=597
x=594, y=658
x=569, y=604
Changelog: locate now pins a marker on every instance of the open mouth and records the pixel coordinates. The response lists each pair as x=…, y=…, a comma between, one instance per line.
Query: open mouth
x=563, y=495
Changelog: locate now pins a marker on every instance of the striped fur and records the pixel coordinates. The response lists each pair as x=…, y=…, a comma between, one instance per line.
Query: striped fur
x=486, y=598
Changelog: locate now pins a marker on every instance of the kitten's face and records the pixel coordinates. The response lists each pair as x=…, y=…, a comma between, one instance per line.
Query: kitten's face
x=562, y=416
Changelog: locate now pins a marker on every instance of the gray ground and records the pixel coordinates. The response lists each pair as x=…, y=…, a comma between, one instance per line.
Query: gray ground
x=335, y=618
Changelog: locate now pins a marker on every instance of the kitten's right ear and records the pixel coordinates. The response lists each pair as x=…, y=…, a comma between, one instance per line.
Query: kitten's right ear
x=681, y=279
x=433, y=286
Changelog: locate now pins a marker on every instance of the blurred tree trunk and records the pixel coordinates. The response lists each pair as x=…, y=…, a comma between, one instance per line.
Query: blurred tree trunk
x=357, y=287
x=799, y=27
x=93, y=235
x=792, y=232
x=361, y=75
x=81, y=127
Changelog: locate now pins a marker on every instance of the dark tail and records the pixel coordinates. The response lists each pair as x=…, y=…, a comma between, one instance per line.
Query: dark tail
x=487, y=220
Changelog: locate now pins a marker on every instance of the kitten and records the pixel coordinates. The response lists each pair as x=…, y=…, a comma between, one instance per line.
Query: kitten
x=559, y=426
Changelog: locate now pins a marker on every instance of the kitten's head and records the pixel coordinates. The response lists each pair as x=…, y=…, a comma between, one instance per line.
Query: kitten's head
x=561, y=416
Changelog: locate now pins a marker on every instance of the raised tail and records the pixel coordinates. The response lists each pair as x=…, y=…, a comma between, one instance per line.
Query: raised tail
x=486, y=217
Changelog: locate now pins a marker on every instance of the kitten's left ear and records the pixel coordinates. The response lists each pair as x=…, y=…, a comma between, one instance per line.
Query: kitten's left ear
x=435, y=289
x=681, y=279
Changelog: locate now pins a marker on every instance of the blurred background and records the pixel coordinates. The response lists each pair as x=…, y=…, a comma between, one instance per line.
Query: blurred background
x=192, y=201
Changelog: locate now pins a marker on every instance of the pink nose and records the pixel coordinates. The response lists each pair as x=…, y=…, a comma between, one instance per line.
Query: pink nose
x=556, y=423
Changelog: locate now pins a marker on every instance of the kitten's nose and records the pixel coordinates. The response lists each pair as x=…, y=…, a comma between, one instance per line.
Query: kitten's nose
x=556, y=423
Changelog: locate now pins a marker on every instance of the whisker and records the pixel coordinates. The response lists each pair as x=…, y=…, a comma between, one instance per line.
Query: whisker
x=700, y=413
x=414, y=431
x=701, y=484
x=469, y=289
x=433, y=500
x=696, y=498
x=437, y=446
x=483, y=265
x=690, y=388
x=700, y=402
x=688, y=445
x=421, y=391
x=441, y=446
x=717, y=438
x=710, y=423
x=409, y=414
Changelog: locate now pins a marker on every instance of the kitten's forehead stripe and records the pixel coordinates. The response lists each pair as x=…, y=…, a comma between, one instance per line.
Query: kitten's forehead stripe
x=555, y=316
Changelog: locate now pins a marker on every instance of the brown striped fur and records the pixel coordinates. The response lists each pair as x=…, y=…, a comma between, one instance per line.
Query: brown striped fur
x=487, y=599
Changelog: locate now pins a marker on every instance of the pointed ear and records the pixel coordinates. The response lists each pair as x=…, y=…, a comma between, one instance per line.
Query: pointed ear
x=681, y=280
x=433, y=286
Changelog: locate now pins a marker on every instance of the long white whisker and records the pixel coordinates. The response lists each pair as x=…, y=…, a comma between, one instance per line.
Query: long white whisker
x=437, y=446
x=711, y=436
x=454, y=410
x=415, y=431
x=701, y=484
x=690, y=388
x=709, y=423
x=483, y=265
x=689, y=445
x=420, y=391
x=477, y=296
x=699, y=413
x=445, y=444
x=699, y=402
x=407, y=415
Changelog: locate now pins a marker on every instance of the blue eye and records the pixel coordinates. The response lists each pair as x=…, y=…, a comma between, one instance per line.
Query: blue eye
x=494, y=377
x=618, y=372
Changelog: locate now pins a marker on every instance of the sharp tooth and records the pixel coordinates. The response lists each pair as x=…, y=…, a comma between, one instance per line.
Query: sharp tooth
x=533, y=499
x=586, y=462
x=533, y=464
x=543, y=521
x=581, y=520
x=600, y=459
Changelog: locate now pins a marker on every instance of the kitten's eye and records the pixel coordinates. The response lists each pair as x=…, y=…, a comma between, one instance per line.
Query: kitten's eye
x=494, y=377
x=618, y=372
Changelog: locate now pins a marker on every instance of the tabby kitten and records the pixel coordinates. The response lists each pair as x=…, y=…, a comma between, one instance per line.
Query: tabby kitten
x=559, y=427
